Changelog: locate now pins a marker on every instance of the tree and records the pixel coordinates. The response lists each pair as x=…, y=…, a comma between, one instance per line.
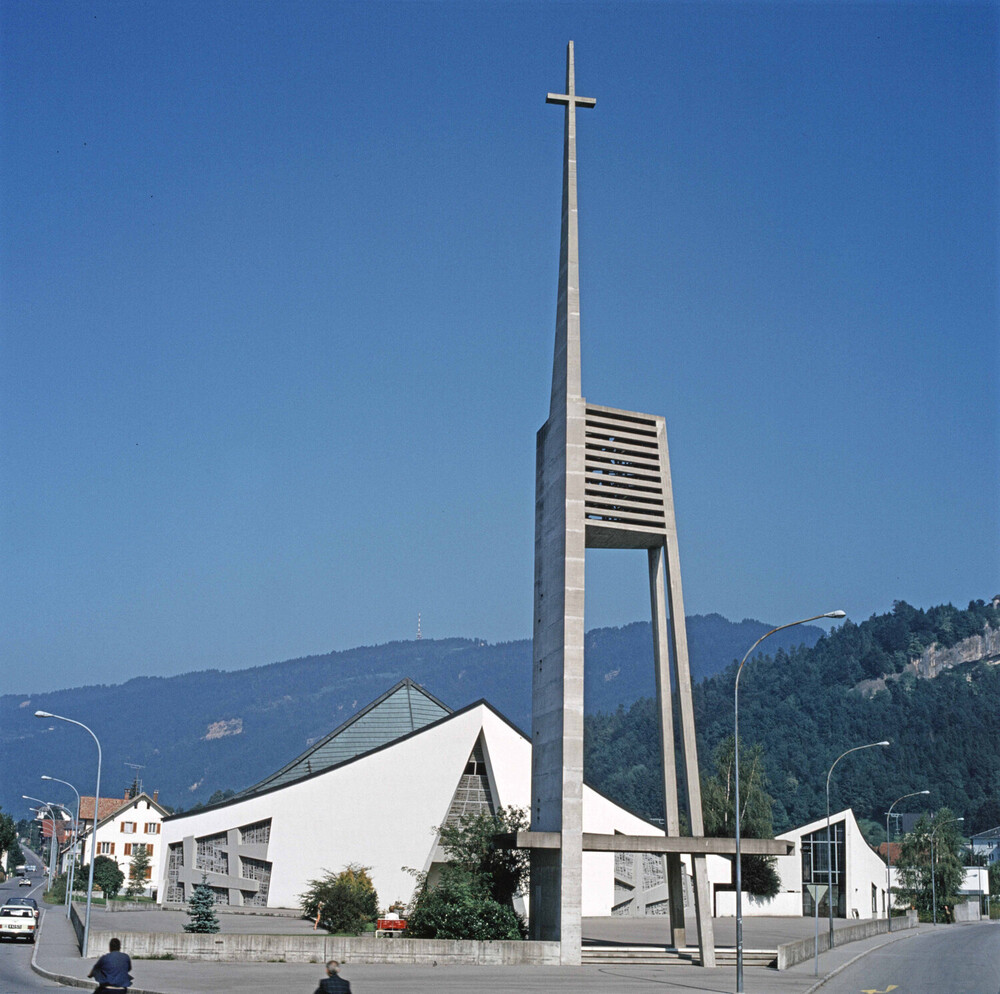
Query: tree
x=345, y=902
x=917, y=886
x=718, y=793
x=107, y=876
x=8, y=841
x=137, y=869
x=201, y=910
x=473, y=895
x=8, y=832
x=471, y=845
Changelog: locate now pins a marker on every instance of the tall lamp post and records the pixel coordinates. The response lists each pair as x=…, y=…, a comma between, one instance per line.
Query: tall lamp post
x=54, y=846
x=950, y=821
x=76, y=836
x=736, y=791
x=888, y=853
x=829, y=844
x=97, y=804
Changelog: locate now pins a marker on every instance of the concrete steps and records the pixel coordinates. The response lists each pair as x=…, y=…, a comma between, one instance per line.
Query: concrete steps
x=665, y=956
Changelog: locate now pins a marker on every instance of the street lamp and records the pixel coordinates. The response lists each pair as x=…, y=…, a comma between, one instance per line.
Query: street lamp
x=97, y=803
x=54, y=846
x=829, y=844
x=76, y=836
x=736, y=792
x=950, y=821
x=888, y=853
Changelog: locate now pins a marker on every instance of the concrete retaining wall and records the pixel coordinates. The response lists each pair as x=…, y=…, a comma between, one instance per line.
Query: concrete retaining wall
x=790, y=953
x=967, y=912
x=320, y=948
x=77, y=923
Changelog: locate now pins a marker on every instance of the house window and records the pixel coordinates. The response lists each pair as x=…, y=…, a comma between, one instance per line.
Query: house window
x=129, y=827
x=149, y=850
x=105, y=849
x=149, y=873
x=152, y=828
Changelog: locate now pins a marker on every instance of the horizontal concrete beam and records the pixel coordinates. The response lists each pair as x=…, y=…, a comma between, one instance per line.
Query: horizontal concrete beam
x=593, y=842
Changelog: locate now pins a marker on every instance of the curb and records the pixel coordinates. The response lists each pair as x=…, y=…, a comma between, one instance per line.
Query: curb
x=59, y=978
x=67, y=981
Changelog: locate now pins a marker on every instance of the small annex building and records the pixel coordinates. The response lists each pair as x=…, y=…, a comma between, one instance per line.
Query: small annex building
x=374, y=792
x=859, y=875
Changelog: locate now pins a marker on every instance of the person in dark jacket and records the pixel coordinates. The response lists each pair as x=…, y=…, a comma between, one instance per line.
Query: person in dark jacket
x=333, y=983
x=112, y=970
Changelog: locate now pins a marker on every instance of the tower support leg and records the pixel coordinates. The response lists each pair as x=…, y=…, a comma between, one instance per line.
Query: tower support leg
x=665, y=710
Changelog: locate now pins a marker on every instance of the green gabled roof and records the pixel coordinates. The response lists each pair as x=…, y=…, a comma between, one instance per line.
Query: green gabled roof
x=398, y=712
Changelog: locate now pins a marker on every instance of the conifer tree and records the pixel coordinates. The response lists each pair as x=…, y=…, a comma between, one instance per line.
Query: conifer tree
x=137, y=869
x=201, y=909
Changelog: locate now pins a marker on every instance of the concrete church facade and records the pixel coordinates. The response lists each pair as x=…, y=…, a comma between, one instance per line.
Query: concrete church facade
x=374, y=792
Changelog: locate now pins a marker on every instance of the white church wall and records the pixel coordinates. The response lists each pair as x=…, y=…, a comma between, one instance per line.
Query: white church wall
x=382, y=809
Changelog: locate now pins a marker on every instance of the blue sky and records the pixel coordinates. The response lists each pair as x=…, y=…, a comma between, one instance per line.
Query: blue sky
x=278, y=297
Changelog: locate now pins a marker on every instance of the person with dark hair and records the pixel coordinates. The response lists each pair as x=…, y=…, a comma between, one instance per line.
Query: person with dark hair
x=113, y=970
x=333, y=983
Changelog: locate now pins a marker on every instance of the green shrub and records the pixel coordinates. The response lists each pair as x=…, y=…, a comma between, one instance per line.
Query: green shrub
x=459, y=908
x=346, y=902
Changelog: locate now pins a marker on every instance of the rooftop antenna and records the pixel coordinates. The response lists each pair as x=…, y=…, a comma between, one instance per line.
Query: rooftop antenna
x=419, y=636
x=136, y=780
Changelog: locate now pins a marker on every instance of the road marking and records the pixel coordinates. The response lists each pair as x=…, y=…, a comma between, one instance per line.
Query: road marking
x=891, y=987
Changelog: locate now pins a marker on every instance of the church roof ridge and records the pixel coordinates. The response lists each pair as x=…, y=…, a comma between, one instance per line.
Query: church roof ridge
x=429, y=709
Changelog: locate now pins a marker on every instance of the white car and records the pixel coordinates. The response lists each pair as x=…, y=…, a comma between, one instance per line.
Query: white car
x=17, y=922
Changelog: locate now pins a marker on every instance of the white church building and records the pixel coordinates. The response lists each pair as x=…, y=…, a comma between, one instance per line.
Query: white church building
x=374, y=791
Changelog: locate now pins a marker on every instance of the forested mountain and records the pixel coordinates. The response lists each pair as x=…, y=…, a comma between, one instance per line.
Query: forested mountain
x=207, y=731
x=929, y=681
x=925, y=679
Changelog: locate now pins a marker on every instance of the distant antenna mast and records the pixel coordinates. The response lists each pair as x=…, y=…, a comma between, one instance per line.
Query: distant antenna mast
x=136, y=779
x=419, y=636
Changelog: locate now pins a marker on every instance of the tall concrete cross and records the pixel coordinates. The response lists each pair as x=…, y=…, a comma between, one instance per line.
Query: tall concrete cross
x=566, y=366
x=602, y=479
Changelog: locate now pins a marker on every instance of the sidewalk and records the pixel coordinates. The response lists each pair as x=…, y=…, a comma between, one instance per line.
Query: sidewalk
x=57, y=957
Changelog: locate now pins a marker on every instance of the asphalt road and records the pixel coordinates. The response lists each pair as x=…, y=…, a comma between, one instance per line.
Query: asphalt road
x=953, y=959
x=16, y=976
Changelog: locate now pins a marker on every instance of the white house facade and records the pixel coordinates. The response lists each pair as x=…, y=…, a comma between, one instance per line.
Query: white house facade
x=374, y=792
x=137, y=821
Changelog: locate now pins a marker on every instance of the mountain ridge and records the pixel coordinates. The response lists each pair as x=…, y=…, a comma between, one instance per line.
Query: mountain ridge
x=208, y=730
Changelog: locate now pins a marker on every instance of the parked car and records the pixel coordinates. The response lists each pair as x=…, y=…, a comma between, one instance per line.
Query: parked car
x=27, y=902
x=17, y=922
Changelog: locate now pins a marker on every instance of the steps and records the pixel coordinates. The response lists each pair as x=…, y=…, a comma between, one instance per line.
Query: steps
x=667, y=956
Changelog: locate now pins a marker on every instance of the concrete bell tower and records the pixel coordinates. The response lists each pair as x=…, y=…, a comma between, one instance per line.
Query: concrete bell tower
x=602, y=480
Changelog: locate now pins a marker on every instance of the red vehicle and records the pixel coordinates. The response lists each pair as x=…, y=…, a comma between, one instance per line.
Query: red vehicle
x=388, y=927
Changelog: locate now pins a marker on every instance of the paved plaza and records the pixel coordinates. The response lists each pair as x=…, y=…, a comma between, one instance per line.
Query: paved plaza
x=57, y=955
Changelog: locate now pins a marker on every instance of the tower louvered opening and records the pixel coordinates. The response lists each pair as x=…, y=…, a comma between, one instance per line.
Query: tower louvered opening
x=624, y=479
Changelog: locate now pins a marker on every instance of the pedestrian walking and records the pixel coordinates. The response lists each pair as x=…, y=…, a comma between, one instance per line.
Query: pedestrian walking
x=333, y=982
x=113, y=971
